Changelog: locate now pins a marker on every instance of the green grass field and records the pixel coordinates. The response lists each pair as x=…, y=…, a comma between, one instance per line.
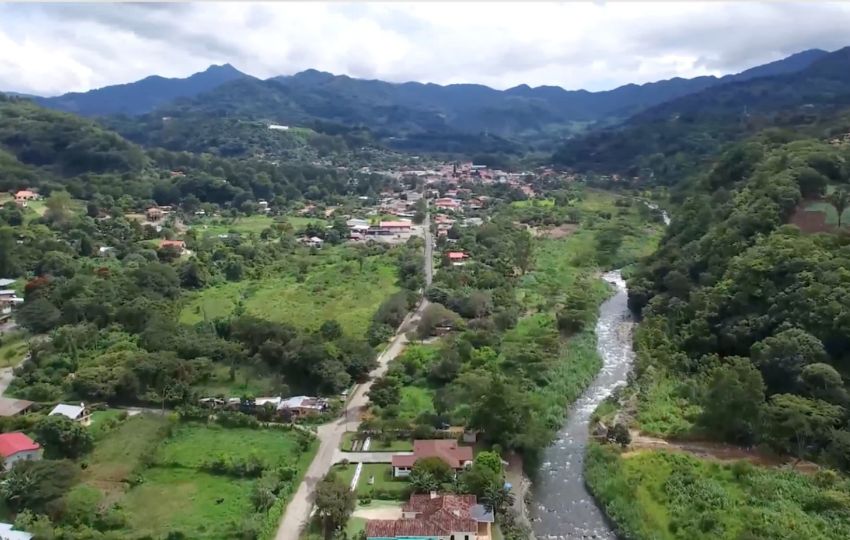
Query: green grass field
x=13, y=348
x=170, y=492
x=193, y=444
x=248, y=224
x=246, y=381
x=337, y=290
x=415, y=400
x=99, y=418
x=200, y=505
x=121, y=452
x=669, y=496
x=242, y=225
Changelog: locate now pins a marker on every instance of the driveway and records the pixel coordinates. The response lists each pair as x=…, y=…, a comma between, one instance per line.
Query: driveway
x=298, y=510
x=369, y=457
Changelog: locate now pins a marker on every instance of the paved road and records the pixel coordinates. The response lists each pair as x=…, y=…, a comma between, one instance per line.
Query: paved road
x=429, y=249
x=298, y=510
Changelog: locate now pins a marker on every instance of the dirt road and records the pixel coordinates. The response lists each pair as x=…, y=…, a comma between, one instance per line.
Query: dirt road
x=715, y=450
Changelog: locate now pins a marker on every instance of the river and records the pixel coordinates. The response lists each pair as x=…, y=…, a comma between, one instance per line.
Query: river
x=561, y=506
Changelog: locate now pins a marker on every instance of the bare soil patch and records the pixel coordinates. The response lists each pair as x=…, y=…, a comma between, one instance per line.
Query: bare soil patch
x=717, y=451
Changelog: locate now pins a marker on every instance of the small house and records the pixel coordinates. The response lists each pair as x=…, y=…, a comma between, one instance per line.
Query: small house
x=178, y=245
x=13, y=407
x=313, y=241
x=457, y=457
x=300, y=406
x=154, y=213
x=17, y=446
x=457, y=258
x=436, y=517
x=396, y=226
x=25, y=195
x=77, y=413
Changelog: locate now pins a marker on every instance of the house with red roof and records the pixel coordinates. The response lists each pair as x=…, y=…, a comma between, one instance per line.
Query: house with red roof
x=435, y=517
x=396, y=226
x=17, y=446
x=457, y=457
x=446, y=203
x=457, y=258
x=178, y=245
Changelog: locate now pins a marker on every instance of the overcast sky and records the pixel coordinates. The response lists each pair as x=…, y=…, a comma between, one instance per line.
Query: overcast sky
x=49, y=49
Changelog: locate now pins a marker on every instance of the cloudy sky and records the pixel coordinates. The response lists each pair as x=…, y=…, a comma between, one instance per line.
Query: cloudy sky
x=49, y=49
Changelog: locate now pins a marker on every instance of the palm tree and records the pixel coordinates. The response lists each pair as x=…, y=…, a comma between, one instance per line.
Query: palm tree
x=840, y=199
x=497, y=498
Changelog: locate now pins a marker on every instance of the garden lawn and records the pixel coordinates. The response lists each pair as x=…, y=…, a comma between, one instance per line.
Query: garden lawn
x=670, y=496
x=384, y=487
x=337, y=290
x=13, y=348
x=376, y=445
x=202, y=506
x=192, y=445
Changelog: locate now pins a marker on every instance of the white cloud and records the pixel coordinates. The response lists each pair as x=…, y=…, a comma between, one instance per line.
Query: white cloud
x=49, y=49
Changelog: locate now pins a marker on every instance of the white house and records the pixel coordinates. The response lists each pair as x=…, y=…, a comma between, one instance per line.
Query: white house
x=16, y=446
x=77, y=413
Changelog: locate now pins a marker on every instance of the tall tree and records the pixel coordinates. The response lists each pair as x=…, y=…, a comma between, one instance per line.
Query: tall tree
x=334, y=504
x=840, y=199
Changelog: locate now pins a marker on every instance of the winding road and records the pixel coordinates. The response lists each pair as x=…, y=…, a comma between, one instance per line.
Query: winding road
x=297, y=512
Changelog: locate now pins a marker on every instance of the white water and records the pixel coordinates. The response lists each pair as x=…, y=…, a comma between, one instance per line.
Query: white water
x=562, y=508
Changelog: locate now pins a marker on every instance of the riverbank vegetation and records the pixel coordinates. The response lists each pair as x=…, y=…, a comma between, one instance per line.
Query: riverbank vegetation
x=521, y=313
x=671, y=496
x=743, y=340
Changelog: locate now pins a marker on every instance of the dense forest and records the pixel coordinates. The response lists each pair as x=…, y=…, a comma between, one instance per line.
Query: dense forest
x=750, y=312
x=50, y=151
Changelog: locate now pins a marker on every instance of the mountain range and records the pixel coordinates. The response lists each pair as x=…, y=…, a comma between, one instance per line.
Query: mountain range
x=669, y=140
x=406, y=115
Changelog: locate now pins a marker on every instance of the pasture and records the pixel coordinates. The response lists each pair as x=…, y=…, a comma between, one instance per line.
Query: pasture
x=337, y=289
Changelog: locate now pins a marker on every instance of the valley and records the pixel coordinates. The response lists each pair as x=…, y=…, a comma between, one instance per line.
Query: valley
x=325, y=307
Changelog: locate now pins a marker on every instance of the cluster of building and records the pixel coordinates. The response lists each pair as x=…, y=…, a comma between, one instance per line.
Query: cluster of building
x=17, y=446
x=435, y=516
x=291, y=408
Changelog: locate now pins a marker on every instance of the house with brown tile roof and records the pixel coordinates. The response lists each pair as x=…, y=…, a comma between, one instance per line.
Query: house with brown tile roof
x=435, y=517
x=457, y=457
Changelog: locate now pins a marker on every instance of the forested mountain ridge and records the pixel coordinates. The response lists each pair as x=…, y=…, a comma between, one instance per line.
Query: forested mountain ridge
x=52, y=150
x=411, y=116
x=671, y=140
x=141, y=96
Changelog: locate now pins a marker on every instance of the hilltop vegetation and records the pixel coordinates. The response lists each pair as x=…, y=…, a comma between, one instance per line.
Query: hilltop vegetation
x=743, y=339
x=675, y=139
x=746, y=312
x=52, y=151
